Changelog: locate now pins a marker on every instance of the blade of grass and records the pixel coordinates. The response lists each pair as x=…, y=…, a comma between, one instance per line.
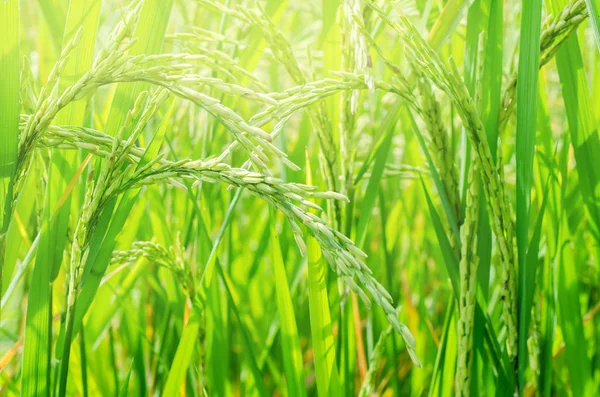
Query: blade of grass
x=582, y=125
x=583, y=130
x=183, y=356
x=123, y=392
x=492, y=75
x=381, y=155
x=527, y=95
x=450, y=259
x=592, y=6
x=215, y=339
x=440, y=359
x=491, y=94
x=256, y=373
x=55, y=13
x=290, y=344
x=326, y=370
x=490, y=103
x=9, y=115
x=83, y=359
x=446, y=23
x=15, y=238
x=571, y=322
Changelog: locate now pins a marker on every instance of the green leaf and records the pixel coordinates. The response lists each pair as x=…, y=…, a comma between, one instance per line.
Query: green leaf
x=381, y=155
x=571, y=322
x=183, y=356
x=450, y=259
x=492, y=75
x=55, y=13
x=447, y=22
x=248, y=344
x=437, y=378
x=290, y=344
x=9, y=115
x=592, y=6
x=582, y=125
x=23, y=212
x=123, y=392
x=9, y=104
x=326, y=369
x=527, y=95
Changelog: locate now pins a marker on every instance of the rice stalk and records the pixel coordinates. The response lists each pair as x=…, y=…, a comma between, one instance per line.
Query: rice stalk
x=440, y=146
x=447, y=80
x=556, y=31
x=368, y=388
x=98, y=193
x=468, y=286
x=282, y=50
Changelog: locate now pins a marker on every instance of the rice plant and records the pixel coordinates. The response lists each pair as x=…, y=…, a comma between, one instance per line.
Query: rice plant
x=334, y=198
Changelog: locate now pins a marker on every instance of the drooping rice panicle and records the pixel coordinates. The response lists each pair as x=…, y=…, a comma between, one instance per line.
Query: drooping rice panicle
x=98, y=193
x=157, y=254
x=283, y=52
x=556, y=31
x=290, y=198
x=299, y=97
x=356, y=54
x=368, y=388
x=440, y=145
x=447, y=79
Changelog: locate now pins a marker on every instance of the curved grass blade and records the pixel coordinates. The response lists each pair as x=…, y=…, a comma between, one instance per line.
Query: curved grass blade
x=446, y=23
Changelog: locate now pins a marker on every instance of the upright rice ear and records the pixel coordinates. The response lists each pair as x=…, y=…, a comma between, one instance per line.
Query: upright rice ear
x=148, y=34
x=81, y=28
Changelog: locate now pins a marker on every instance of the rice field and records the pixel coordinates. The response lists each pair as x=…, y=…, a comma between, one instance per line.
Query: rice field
x=299, y=198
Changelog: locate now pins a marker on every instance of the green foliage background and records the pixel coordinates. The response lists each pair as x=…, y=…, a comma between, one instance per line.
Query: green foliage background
x=335, y=198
